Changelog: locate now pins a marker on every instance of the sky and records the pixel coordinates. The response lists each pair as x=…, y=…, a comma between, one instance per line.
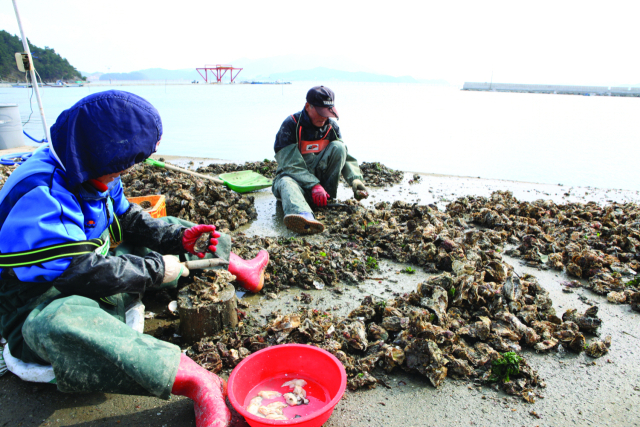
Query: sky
x=549, y=42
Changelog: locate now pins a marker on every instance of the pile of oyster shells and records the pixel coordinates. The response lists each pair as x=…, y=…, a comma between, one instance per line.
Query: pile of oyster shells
x=191, y=198
x=305, y=264
x=206, y=289
x=420, y=235
x=444, y=328
x=378, y=175
x=600, y=244
x=375, y=174
x=266, y=168
x=456, y=323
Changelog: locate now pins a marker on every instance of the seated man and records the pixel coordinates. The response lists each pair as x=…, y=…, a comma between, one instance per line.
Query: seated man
x=63, y=294
x=311, y=156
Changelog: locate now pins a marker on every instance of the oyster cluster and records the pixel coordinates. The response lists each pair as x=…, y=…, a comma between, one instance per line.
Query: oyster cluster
x=455, y=324
x=207, y=287
x=600, y=244
x=308, y=265
x=420, y=235
x=191, y=198
x=266, y=168
x=449, y=326
x=376, y=174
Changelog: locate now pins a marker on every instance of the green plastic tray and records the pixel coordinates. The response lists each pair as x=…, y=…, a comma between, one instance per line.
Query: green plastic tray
x=245, y=181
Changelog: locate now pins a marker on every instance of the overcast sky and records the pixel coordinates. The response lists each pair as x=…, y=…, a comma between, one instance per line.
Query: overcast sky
x=556, y=42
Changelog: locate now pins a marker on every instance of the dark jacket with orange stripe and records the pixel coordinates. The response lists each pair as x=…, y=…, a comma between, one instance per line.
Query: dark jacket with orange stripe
x=289, y=148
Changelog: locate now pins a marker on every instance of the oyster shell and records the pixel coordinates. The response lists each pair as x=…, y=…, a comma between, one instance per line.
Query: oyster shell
x=354, y=334
x=375, y=332
x=587, y=321
x=546, y=345
x=426, y=358
x=363, y=379
x=599, y=348
x=202, y=243
x=616, y=297
x=393, y=356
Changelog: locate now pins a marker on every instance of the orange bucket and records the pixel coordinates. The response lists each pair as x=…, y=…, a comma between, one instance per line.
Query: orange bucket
x=159, y=208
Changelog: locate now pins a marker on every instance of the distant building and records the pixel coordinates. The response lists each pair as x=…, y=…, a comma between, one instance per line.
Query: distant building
x=555, y=89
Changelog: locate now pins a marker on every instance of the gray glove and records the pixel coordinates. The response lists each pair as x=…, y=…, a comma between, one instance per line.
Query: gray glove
x=359, y=190
x=173, y=268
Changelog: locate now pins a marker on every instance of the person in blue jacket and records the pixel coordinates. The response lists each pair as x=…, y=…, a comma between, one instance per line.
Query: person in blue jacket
x=63, y=293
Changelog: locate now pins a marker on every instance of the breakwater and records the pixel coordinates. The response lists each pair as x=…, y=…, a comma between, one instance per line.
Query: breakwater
x=554, y=89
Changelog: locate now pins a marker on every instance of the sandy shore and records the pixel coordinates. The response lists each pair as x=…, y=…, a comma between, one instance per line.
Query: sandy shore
x=580, y=391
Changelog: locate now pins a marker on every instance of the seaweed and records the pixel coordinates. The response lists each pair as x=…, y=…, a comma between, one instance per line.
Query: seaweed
x=508, y=364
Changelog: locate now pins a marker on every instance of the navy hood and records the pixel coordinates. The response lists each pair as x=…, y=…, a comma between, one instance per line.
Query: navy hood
x=105, y=133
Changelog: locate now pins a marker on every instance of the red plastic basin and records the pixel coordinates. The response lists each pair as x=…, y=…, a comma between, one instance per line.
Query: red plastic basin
x=293, y=361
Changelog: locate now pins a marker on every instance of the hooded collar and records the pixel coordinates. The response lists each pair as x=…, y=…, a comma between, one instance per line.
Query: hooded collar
x=89, y=192
x=104, y=133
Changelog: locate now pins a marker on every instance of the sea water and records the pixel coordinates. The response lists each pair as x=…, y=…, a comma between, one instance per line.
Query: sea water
x=317, y=395
x=567, y=139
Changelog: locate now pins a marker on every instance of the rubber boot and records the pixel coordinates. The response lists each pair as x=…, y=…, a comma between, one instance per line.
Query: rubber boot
x=207, y=390
x=303, y=223
x=250, y=274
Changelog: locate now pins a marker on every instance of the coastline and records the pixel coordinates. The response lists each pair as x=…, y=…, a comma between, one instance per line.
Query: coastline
x=442, y=188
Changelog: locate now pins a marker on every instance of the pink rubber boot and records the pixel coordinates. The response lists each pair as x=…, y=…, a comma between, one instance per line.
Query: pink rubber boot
x=250, y=274
x=207, y=391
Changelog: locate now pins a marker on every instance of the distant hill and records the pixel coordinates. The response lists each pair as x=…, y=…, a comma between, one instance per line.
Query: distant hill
x=330, y=75
x=91, y=76
x=49, y=65
x=135, y=75
x=162, y=74
x=155, y=74
x=294, y=67
x=257, y=69
x=318, y=73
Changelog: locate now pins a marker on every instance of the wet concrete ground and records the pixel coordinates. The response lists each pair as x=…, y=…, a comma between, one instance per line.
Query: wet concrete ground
x=580, y=391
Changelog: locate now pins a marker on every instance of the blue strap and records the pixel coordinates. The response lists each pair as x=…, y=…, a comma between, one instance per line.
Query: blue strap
x=33, y=139
x=15, y=158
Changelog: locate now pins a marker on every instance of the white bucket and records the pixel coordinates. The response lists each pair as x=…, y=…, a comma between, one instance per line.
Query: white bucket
x=10, y=127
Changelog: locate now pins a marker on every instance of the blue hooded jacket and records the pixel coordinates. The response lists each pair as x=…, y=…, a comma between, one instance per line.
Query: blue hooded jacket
x=44, y=201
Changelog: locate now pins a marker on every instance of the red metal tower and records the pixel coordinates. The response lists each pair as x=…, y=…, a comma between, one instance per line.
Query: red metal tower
x=218, y=71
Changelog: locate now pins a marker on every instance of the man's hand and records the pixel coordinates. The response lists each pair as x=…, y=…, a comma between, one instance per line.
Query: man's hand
x=359, y=190
x=319, y=196
x=173, y=268
x=192, y=234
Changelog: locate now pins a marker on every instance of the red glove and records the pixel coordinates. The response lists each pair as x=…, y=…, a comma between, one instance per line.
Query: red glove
x=319, y=196
x=191, y=235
